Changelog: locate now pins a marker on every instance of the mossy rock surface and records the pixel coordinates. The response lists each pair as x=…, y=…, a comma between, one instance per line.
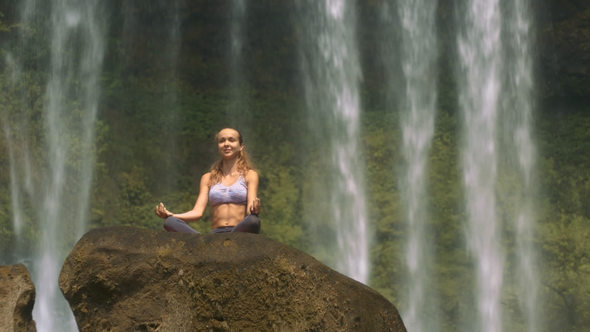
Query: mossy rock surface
x=17, y=297
x=127, y=279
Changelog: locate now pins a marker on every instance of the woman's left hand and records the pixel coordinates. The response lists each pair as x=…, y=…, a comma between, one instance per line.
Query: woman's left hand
x=254, y=207
x=162, y=212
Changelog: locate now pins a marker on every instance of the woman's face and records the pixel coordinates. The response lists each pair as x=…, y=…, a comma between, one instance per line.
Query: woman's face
x=228, y=143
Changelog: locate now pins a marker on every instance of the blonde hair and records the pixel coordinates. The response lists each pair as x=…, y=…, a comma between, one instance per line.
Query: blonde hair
x=243, y=162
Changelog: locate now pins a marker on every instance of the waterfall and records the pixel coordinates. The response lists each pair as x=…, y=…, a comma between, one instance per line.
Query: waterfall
x=494, y=66
x=50, y=132
x=417, y=105
x=70, y=137
x=479, y=83
x=331, y=74
x=16, y=185
x=518, y=131
x=17, y=131
x=57, y=195
x=238, y=103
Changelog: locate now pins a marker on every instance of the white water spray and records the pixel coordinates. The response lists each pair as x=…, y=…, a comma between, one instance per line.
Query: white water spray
x=331, y=74
x=479, y=83
x=17, y=131
x=58, y=191
x=517, y=126
x=70, y=140
x=238, y=103
x=15, y=188
x=417, y=108
x=496, y=65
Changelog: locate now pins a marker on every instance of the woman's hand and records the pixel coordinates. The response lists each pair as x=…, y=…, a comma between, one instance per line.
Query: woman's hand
x=162, y=212
x=254, y=206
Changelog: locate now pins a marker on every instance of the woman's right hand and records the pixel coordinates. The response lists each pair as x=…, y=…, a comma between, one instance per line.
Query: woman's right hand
x=162, y=212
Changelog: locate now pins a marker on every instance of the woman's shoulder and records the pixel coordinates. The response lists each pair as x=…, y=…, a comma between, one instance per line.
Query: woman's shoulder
x=251, y=175
x=206, y=177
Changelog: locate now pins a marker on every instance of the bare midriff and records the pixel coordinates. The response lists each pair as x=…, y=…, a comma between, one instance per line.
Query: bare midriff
x=227, y=215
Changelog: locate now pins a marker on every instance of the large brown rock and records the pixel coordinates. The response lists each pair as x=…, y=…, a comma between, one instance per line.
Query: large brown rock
x=17, y=297
x=128, y=279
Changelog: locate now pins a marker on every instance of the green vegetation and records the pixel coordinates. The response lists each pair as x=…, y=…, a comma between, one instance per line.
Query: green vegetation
x=154, y=139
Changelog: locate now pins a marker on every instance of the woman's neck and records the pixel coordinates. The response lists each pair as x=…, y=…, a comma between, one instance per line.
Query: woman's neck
x=229, y=167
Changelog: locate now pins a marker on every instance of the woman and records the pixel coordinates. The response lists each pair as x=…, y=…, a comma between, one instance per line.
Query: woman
x=231, y=186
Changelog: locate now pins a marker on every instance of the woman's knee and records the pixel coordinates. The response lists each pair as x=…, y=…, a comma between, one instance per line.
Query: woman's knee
x=250, y=224
x=169, y=224
x=172, y=224
x=253, y=220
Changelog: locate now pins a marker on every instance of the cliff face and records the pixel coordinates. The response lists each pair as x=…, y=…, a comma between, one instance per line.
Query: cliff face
x=17, y=297
x=128, y=279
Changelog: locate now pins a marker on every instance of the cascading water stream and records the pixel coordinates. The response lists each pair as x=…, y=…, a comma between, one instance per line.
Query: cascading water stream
x=238, y=103
x=70, y=138
x=518, y=130
x=16, y=187
x=479, y=83
x=17, y=131
x=495, y=90
x=417, y=107
x=50, y=134
x=496, y=65
x=58, y=194
x=331, y=72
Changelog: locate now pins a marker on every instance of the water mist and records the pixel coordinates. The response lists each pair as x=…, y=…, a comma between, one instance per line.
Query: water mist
x=417, y=107
x=331, y=74
x=495, y=66
x=58, y=191
x=238, y=99
x=480, y=81
x=518, y=126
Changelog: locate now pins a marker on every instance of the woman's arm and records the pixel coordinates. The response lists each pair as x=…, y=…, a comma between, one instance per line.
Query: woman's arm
x=253, y=206
x=197, y=212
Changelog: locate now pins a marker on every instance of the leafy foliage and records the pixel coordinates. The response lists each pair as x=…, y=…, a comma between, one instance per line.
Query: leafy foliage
x=154, y=139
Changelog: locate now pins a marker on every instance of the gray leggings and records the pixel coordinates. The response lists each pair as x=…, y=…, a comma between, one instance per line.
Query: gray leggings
x=250, y=224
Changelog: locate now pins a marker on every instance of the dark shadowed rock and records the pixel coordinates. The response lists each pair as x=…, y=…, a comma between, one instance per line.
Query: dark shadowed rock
x=17, y=297
x=129, y=279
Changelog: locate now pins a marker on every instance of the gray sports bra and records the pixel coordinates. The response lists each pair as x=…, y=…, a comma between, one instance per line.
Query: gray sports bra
x=237, y=193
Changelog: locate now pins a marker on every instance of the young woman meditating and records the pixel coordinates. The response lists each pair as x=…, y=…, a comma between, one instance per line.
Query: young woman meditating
x=230, y=186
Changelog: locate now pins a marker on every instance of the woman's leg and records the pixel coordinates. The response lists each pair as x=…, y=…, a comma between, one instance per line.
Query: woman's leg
x=250, y=224
x=172, y=224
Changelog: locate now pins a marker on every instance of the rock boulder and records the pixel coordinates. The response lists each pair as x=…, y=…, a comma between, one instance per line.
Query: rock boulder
x=17, y=297
x=129, y=279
